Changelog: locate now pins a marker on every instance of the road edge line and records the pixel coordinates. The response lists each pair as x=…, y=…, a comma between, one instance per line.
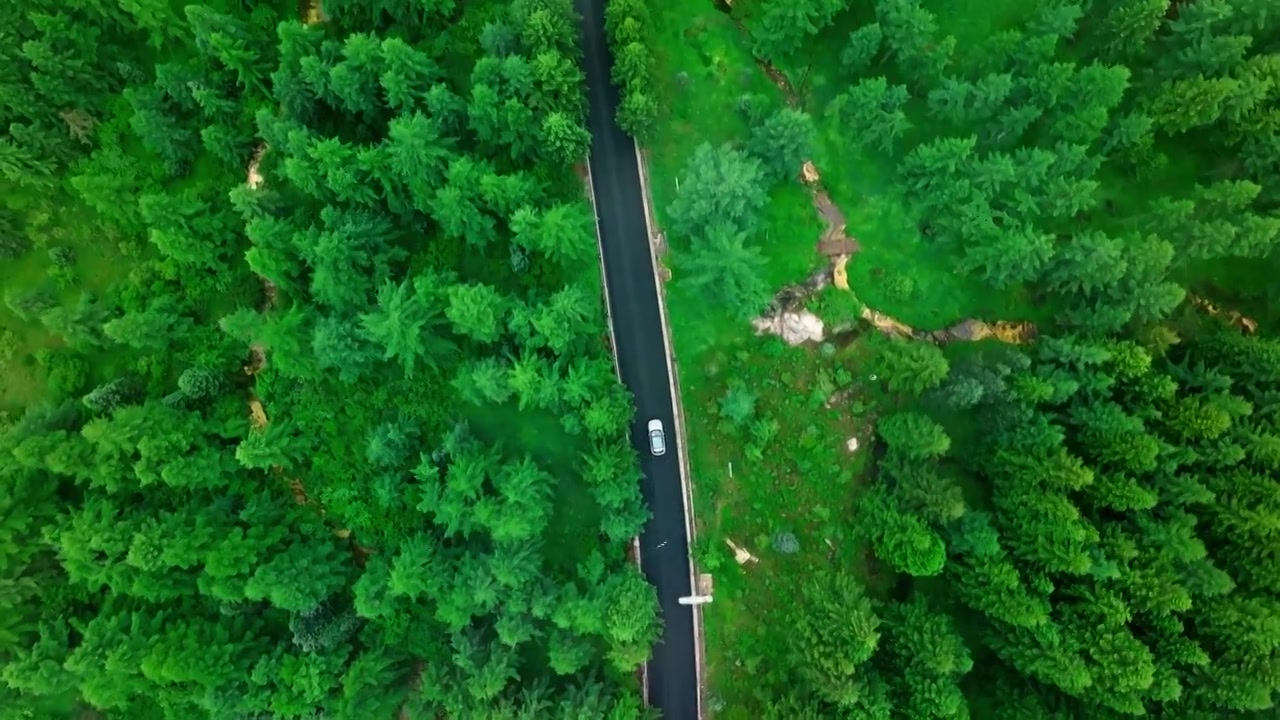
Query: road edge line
x=617, y=371
x=677, y=405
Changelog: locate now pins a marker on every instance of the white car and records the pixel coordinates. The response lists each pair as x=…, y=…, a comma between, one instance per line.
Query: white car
x=657, y=439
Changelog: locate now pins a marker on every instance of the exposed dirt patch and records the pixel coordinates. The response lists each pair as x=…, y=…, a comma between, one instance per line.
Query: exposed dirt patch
x=973, y=330
x=835, y=242
x=967, y=330
x=779, y=79
x=788, y=317
x=887, y=325
x=300, y=496
x=1233, y=317
x=314, y=13
x=257, y=360
x=257, y=414
x=255, y=178
x=775, y=75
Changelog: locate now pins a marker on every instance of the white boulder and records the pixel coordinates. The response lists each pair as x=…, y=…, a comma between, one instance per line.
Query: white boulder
x=795, y=328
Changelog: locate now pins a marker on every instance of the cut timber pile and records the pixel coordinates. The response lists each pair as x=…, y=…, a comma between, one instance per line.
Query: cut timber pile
x=886, y=324
x=741, y=554
x=973, y=330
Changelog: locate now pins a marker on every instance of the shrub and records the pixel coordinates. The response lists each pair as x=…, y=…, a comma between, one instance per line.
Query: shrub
x=65, y=373
x=320, y=628
x=390, y=444
x=899, y=287
x=11, y=246
x=738, y=405
x=62, y=256
x=8, y=345
x=709, y=553
x=30, y=304
x=786, y=543
x=962, y=392
x=62, y=277
x=199, y=383
x=13, y=239
x=105, y=398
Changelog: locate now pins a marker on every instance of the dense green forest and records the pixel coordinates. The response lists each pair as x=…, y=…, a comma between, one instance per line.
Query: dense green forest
x=1079, y=526
x=308, y=409
x=308, y=403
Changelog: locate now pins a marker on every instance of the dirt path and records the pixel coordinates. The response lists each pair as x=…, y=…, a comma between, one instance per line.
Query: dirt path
x=312, y=13
x=1233, y=317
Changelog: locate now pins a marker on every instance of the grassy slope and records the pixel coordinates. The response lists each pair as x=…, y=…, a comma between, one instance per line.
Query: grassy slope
x=806, y=482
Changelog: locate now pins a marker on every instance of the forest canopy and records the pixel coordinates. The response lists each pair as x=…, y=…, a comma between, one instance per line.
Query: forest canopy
x=320, y=418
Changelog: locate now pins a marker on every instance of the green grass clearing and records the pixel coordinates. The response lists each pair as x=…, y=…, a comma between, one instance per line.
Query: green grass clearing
x=791, y=473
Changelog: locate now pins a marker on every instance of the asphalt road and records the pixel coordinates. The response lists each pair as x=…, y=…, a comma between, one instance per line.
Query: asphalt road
x=641, y=353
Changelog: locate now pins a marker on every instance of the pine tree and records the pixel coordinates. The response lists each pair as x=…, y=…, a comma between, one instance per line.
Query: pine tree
x=836, y=633
x=406, y=323
x=929, y=657
x=726, y=271
x=720, y=186
x=783, y=26
x=782, y=143
x=476, y=311
x=875, y=108
x=862, y=48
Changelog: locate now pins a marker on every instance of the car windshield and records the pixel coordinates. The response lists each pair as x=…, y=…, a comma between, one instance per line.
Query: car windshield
x=655, y=440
